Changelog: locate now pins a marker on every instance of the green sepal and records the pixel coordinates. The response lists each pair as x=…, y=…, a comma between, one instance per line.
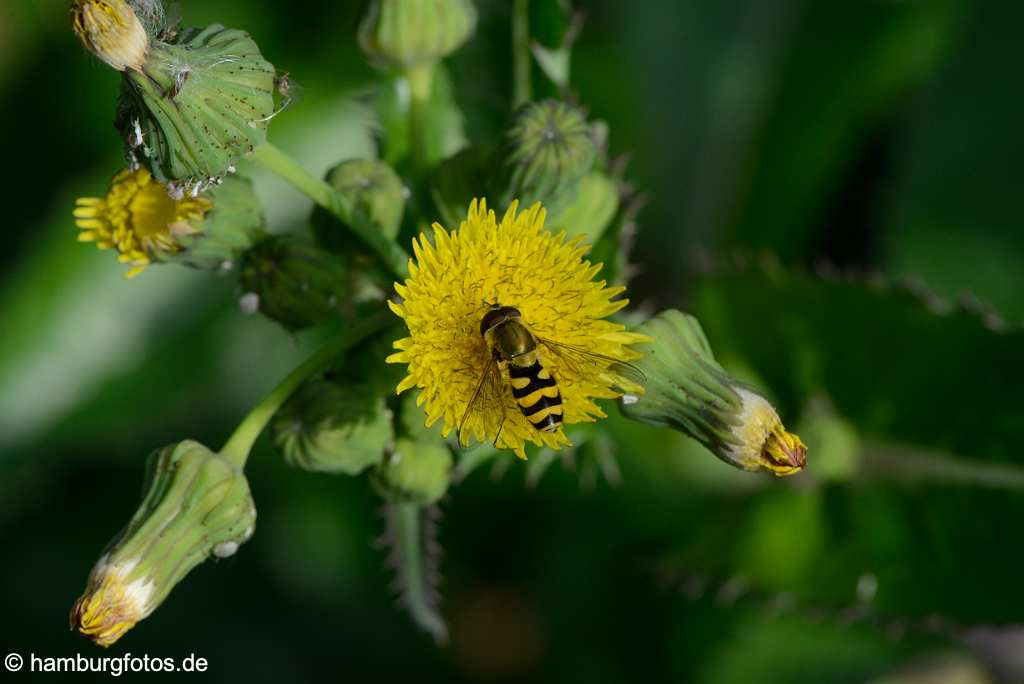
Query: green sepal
x=199, y=105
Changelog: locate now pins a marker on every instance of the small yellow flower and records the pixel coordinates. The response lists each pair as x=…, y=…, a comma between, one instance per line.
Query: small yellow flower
x=110, y=30
x=139, y=219
x=112, y=604
x=517, y=262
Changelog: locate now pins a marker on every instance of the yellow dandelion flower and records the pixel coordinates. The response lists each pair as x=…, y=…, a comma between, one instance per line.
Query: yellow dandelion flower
x=138, y=219
x=471, y=272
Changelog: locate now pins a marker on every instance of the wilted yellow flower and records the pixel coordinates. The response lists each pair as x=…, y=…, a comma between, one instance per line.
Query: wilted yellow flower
x=110, y=30
x=456, y=280
x=112, y=604
x=139, y=219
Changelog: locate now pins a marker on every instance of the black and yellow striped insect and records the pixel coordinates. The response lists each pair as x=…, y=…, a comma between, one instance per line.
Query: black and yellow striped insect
x=516, y=350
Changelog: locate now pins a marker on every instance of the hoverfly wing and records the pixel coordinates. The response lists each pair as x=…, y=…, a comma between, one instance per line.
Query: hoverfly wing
x=486, y=395
x=624, y=375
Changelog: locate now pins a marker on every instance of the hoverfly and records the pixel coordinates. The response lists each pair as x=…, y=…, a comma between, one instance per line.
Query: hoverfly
x=515, y=349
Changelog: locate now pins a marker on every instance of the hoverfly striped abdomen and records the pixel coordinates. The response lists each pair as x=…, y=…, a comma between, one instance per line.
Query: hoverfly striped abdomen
x=537, y=395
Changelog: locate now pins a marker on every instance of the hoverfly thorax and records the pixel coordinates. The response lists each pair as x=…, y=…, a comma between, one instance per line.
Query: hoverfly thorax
x=505, y=333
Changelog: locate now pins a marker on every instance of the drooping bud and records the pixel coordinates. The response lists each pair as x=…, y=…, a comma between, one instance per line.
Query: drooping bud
x=196, y=505
x=374, y=189
x=549, y=148
x=416, y=471
x=196, y=106
x=144, y=224
x=404, y=34
x=591, y=209
x=295, y=282
x=329, y=428
x=688, y=390
x=111, y=30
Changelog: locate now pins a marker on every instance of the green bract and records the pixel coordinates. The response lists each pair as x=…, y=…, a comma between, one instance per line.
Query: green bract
x=330, y=428
x=197, y=106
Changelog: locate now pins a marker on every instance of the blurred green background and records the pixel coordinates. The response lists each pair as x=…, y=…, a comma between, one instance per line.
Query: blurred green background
x=834, y=189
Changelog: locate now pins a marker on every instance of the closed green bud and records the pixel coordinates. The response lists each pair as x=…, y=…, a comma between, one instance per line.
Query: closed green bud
x=196, y=106
x=591, y=209
x=374, y=189
x=549, y=148
x=403, y=34
x=293, y=281
x=416, y=471
x=688, y=390
x=326, y=427
x=196, y=505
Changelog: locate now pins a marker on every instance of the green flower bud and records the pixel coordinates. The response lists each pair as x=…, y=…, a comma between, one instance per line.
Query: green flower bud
x=293, y=282
x=403, y=34
x=196, y=106
x=374, y=189
x=196, y=505
x=688, y=390
x=417, y=471
x=111, y=30
x=329, y=428
x=549, y=148
x=591, y=210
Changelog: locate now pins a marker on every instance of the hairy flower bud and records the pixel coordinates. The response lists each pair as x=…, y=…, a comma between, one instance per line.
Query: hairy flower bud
x=689, y=391
x=294, y=282
x=111, y=30
x=196, y=106
x=329, y=428
x=416, y=471
x=374, y=189
x=403, y=34
x=549, y=148
x=196, y=505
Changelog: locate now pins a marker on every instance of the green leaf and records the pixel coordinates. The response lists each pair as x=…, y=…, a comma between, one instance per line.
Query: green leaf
x=902, y=367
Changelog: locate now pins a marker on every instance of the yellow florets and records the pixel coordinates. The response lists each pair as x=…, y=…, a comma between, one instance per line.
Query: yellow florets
x=452, y=284
x=139, y=219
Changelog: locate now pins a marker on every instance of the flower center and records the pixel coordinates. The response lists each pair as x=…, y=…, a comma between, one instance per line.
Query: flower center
x=152, y=211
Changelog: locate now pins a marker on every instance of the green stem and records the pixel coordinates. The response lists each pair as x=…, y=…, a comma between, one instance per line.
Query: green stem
x=420, y=79
x=273, y=159
x=888, y=462
x=521, y=53
x=239, y=444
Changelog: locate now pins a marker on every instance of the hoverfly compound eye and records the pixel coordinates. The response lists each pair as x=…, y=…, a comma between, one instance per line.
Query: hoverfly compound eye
x=510, y=312
x=490, y=319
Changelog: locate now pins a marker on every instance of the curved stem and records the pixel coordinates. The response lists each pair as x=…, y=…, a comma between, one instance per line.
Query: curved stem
x=273, y=159
x=240, y=443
